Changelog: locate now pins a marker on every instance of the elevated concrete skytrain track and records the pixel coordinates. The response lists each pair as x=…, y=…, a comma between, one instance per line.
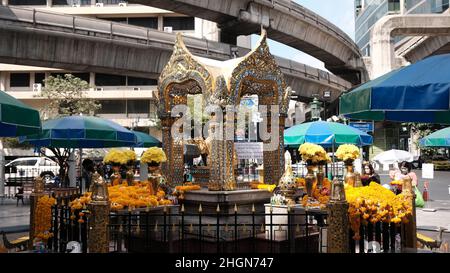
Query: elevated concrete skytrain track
x=47, y=39
x=286, y=22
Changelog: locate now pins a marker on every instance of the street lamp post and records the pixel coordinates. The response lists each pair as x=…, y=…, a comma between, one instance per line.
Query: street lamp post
x=326, y=96
x=315, y=109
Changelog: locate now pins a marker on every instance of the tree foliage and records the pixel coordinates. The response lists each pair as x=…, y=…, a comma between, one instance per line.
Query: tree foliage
x=423, y=130
x=66, y=97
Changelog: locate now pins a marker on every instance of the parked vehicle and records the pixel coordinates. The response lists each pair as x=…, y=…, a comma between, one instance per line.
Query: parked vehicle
x=441, y=163
x=25, y=169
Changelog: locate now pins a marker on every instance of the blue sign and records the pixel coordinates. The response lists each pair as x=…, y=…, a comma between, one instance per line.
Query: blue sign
x=363, y=126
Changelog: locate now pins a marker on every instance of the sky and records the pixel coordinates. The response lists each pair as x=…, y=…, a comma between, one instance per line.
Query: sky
x=338, y=12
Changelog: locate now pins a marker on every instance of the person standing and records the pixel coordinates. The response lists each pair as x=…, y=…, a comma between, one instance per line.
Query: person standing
x=369, y=174
x=88, y=170
x=404, y=170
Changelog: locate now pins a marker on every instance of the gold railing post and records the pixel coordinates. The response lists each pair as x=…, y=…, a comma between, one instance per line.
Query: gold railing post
x=410, y=228
x=98, y=240
x=338, y=223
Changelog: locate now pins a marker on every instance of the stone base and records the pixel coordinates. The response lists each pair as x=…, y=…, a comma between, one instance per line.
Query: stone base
x=244, y=200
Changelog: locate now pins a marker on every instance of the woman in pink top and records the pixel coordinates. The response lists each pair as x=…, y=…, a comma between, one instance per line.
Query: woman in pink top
x=405, y=169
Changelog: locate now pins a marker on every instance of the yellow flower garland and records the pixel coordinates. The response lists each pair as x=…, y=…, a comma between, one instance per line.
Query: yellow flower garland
x=347, y=152
x=313, y=153
x=375, y=203
x=154, y=154
x=115, y=156
x=122, y=195
x=43, y=217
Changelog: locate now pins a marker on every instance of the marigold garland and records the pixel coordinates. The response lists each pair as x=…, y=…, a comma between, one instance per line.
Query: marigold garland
x=321, y=195
x=122, y=196
x=375, y=203
x=43, y=217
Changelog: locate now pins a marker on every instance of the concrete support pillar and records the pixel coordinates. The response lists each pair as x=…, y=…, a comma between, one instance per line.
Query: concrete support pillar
x=91, y=79
x=160, y=23
x=3, y=80
x=4, y=2
x=382, y=50
x=402, y=7
x=49, y=3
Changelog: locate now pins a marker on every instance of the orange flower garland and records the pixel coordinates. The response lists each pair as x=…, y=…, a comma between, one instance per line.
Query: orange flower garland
x=43, y=217
x=122, y=195
x=375, y=203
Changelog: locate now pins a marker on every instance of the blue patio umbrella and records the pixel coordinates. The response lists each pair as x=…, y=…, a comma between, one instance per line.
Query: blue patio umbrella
x=146, y=140
x=327, y=134
x=415, y=93
x=81, y=132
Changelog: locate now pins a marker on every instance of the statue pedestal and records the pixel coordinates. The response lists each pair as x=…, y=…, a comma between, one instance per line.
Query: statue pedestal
x=291, y=225
x=244, y=201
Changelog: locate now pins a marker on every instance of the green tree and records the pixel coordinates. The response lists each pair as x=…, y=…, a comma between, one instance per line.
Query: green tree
x=423, y=130
x=66, y=98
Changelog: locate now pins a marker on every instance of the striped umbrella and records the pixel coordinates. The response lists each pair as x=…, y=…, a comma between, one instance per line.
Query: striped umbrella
x=81, y=132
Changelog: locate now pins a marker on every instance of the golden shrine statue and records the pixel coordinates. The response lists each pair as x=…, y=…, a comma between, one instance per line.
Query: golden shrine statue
x=99, y=188
x=221, y=84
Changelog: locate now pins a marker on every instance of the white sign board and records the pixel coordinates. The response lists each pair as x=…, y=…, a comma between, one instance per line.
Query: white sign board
x=358, y=165
x=249, y=150
x=428, y=171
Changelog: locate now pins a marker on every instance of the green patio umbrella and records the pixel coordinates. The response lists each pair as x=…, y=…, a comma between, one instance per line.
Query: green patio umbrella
x=17, y=118
x=144, y=140
x=439, y=138
x=327, y=134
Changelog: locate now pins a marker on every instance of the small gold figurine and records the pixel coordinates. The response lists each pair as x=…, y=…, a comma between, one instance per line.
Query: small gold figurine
x=99, y=188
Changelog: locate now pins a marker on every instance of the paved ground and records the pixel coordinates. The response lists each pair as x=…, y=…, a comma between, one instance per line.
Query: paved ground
x=15, y=219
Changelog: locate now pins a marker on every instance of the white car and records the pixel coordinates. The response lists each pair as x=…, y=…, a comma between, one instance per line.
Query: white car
x=27, y=168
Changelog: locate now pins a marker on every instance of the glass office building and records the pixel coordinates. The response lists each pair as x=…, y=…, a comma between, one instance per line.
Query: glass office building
x=368, y=12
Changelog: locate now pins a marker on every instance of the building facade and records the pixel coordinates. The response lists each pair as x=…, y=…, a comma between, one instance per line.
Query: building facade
x=368, y=12
x=388, y=135
x=130, y=101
